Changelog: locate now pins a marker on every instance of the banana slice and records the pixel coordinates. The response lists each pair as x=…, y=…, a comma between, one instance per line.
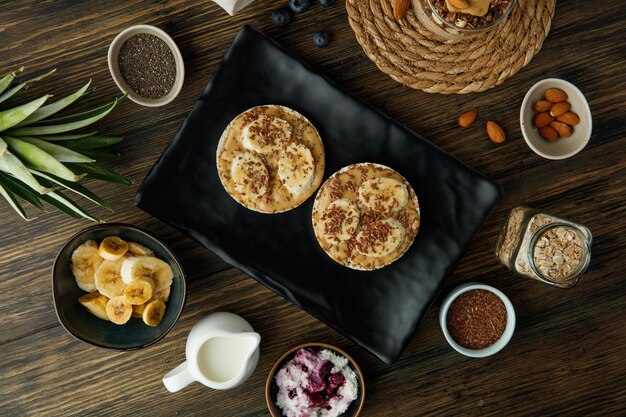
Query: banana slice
x=340, y=220
x=250, y=174
x=138, y=310
x=137, y=249
x=296, y=168
x=147, y=267
x=112, y=248
x=119, y=310
x=85, y=262
x=266, y=134
x=139, y=290
x=384, y=194
x=162, y=295
x=153, y=313
x=108, y=279
x=96, y=303
x=380, y=238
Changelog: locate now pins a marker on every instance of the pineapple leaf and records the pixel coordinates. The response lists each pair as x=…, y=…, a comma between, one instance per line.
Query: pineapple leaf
x=6, y=81
x=58, y=152
x=10, y=198
x=11, y=164
x=93, y=142
x=63, y=127
x=102, y=156
x=67, y=137
x=39, y=159
x=13, y=116
x=51, y=109
x=12, y=91
x=66, y=205
x=98, y=172
x=76, y=188
x=20, y=189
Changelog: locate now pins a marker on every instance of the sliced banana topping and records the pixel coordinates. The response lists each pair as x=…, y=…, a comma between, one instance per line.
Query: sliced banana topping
x=383, y=195
x=108, y=279
x=250, y=174
x=96, y=303
x=119, y=310
x=162, y=295
x=85, y=262
x=139, y=267
x=296, y=168
x=340, y=220
x=139, y=291
x=137, y=249
x=380, y=238
x=112, y=248
x=266, y=134
x=153, y=313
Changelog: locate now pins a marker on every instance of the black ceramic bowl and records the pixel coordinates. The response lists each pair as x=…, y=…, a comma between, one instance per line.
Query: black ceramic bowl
x=86, y=327
x=271, y=388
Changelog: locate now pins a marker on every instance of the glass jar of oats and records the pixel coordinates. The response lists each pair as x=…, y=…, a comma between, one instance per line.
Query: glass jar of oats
x=544, y=247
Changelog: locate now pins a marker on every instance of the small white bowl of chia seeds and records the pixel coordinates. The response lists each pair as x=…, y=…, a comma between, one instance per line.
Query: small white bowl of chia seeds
x=146, y=64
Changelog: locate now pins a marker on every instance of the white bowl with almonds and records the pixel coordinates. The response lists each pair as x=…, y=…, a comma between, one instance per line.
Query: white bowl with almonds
x=555, y=119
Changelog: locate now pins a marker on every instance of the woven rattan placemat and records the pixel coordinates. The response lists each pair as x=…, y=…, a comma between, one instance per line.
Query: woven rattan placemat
x=419, y=59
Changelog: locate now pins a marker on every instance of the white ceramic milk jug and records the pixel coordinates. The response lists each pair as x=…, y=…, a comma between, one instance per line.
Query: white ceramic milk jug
x=222, y=352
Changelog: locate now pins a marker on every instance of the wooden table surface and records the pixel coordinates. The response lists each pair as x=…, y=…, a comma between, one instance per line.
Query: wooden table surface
x=567, y=354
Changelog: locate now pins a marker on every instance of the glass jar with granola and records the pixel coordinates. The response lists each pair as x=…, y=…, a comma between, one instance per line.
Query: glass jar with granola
x=461, y=19
x=544, y=247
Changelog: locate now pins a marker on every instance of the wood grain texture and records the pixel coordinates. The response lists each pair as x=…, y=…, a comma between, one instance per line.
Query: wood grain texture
x=566, y=356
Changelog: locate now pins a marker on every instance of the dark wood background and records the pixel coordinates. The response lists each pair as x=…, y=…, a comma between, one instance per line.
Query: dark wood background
x=567, y=355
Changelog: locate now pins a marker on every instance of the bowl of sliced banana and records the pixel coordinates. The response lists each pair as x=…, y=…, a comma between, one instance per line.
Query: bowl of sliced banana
x=116, y=286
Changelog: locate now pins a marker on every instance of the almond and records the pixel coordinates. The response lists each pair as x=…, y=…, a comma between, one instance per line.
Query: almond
x=548, y=133
x=459, y=4
x=563, y=129
x=400, y=7
x=554, y=95
x=542, y=119
x=569, y=118
x=558, y=109
x=468, y=119
x=495, y=132
x=542, y=105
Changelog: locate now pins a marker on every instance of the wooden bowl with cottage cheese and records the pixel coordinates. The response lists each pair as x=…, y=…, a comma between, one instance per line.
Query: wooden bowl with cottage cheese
x=366, y=216
x=270, y=159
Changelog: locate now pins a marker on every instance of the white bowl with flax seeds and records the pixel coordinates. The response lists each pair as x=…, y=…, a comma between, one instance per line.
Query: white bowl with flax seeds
x=146, y=64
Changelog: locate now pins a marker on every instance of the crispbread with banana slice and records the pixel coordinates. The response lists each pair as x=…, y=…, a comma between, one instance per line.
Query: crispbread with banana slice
x=366, y=216
x=270, y=159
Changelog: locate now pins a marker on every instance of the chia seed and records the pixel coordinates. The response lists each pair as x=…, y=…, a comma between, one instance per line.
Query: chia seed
x=147, y=65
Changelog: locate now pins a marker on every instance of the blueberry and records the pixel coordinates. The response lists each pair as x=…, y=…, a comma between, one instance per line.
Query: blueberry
x=321, y=39
x=326, y=3
x=299, y=6
x=281, y=17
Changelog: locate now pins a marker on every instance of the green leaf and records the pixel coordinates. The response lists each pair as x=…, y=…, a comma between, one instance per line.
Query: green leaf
x=21, y=190
x=65, y=127
x=58, y=152
x=66, y=205
x=67, y=137
x=10, y=198
x=11, y=92
x=102, y=156
x=6, y=81
x=11, y=164
x=76, y=188
x=93, y=142
x=99, y=172
x=51, y=109
x=13, y=116
x=40, y=159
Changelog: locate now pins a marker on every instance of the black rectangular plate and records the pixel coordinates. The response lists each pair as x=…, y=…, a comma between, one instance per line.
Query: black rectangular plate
x=379, y=310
